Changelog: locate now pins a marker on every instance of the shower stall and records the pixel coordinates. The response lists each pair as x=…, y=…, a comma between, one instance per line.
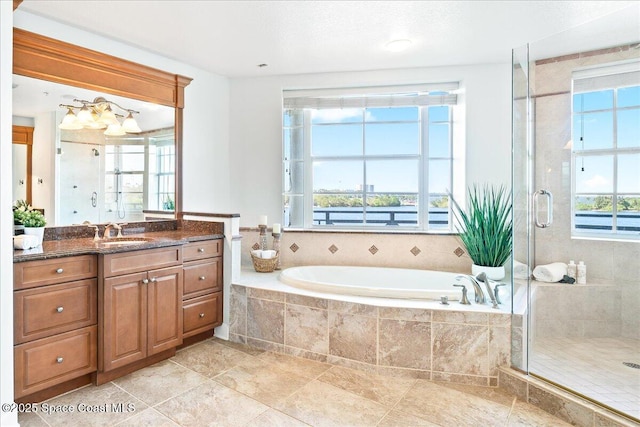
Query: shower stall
x=576, y=196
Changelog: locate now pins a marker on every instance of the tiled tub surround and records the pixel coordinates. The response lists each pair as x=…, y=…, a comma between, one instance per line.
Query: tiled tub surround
x=440, y=252
x=417, y=339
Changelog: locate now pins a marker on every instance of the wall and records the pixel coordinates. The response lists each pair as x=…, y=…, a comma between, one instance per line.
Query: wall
x=6, y=248
x=256, y=127
x=608, y=262
x=206, y=113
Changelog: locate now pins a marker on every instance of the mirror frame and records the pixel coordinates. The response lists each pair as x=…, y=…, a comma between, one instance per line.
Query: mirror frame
x=45, y=58
x=23, y=135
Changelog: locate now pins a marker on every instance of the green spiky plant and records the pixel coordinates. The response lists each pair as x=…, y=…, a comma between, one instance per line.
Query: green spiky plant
x=485, y=228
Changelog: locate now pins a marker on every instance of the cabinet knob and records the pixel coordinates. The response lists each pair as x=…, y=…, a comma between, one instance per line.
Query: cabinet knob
x=201, y=315
x=59, y=271
x=60, y=309
x=202, y=277
x=200, y=249
x=154, y=279
x=59, y=360
x=145, y=281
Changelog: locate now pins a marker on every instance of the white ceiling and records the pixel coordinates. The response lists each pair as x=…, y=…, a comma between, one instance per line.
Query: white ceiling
x=231, y=38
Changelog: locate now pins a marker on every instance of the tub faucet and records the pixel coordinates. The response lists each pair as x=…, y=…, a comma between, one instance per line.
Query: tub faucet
x=483, y=278
x=480, y=299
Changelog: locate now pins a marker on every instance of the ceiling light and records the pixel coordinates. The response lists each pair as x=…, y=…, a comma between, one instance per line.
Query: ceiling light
x=398, y=45
x=98, y=114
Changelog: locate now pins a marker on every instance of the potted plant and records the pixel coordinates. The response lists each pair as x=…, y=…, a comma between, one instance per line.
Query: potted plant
x=485, y=229
x=31, y=219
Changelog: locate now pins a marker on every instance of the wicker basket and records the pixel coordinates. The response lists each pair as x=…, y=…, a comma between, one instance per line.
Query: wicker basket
x=262, y=265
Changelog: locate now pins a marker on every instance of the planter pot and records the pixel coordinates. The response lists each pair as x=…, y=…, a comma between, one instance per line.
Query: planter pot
x=493, y=273
x=35, y=231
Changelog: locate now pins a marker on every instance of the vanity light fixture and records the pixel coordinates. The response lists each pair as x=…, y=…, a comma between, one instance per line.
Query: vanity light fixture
x=98, y=114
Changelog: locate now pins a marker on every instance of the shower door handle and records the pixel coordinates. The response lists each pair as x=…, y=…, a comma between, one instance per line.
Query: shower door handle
x=94, y=199
x=549, y=197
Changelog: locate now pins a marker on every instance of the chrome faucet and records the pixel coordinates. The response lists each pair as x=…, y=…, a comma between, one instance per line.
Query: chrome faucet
x=108, y=227
x=480, y=298
x=483, y=278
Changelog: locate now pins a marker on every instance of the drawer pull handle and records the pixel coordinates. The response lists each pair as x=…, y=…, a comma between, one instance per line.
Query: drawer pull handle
x=59, y=360
x=145, y=281
x=59, y=271
x=201, y=315
x=60, y=309
x=154, y=279
x=200, y=250
x=202, y=277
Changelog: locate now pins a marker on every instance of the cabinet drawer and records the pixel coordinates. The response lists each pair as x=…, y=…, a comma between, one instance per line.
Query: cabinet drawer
x=136, y=261
x=202, y=277
x=51, y=271
x=201, y=314
x=203, y=249
x=44, y=363
x=54, y=309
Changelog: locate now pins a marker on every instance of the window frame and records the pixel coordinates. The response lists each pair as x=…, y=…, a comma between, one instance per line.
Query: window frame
x=578, y=153
x=422, y=158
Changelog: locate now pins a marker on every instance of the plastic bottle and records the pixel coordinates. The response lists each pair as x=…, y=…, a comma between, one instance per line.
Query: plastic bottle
x=581, y=277
x=572, y=269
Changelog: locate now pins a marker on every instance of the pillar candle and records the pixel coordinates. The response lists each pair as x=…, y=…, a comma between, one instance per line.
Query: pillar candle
x=276, y=228
x=262, y=220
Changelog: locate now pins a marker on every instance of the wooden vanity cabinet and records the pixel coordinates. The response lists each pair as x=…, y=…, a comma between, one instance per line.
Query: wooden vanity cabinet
x=141, y=301
x=55, y=326
x=202, y=292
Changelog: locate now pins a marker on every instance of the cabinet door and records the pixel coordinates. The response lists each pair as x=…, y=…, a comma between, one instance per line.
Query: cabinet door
x=165, y=309
x=125, y=320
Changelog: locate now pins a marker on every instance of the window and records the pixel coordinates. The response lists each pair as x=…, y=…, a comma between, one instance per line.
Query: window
x=606, y=151
x=373, y=160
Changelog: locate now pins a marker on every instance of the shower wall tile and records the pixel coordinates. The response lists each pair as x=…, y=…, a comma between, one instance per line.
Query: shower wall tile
x=404, y=344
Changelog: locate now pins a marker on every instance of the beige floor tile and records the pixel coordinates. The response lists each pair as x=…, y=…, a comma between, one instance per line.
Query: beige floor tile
x=384, y=390
x=148, y=418
x=447, y=406
x=321, y=404
x=104, y=396
x=525, y=415
x=209, y=358
x=30, y=419
x=305, y=367
x=401, y=419
x=211, y=404
x=159, y=382
x=238, y=346
x=262, y=381
x=273, y=418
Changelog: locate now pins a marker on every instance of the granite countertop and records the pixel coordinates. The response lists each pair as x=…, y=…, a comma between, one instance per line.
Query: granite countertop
x=87, y=246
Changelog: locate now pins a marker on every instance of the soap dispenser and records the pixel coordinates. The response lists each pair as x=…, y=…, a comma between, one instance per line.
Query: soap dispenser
x=581, y=278
x=572, y=269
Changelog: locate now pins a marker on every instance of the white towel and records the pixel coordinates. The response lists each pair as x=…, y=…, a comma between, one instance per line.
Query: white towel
x=25, y=241
x=553, y=272
x=521, y=270
x=264, y=254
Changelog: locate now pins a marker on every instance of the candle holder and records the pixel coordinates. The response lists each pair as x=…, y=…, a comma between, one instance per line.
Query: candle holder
x=276, y=247
x=263, y=237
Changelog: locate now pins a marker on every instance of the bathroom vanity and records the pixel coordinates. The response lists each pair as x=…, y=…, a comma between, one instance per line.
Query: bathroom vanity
x=91, y=311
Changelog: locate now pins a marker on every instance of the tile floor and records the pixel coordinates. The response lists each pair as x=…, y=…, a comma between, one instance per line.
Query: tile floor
x=592, y=367
x=219, y=383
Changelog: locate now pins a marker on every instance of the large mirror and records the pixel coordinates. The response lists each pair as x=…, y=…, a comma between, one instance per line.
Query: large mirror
x=83, y=175
x=93, y=173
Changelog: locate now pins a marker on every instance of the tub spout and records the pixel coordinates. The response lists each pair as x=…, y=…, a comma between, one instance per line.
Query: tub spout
x=480, y=299
x=483, y=278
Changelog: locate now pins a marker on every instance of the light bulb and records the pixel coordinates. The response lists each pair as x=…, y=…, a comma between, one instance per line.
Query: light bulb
x=115, y=130
x=130, y=125
x=70, y=121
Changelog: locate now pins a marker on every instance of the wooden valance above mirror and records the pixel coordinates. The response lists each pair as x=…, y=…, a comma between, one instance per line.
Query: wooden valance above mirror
x=53, y=60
